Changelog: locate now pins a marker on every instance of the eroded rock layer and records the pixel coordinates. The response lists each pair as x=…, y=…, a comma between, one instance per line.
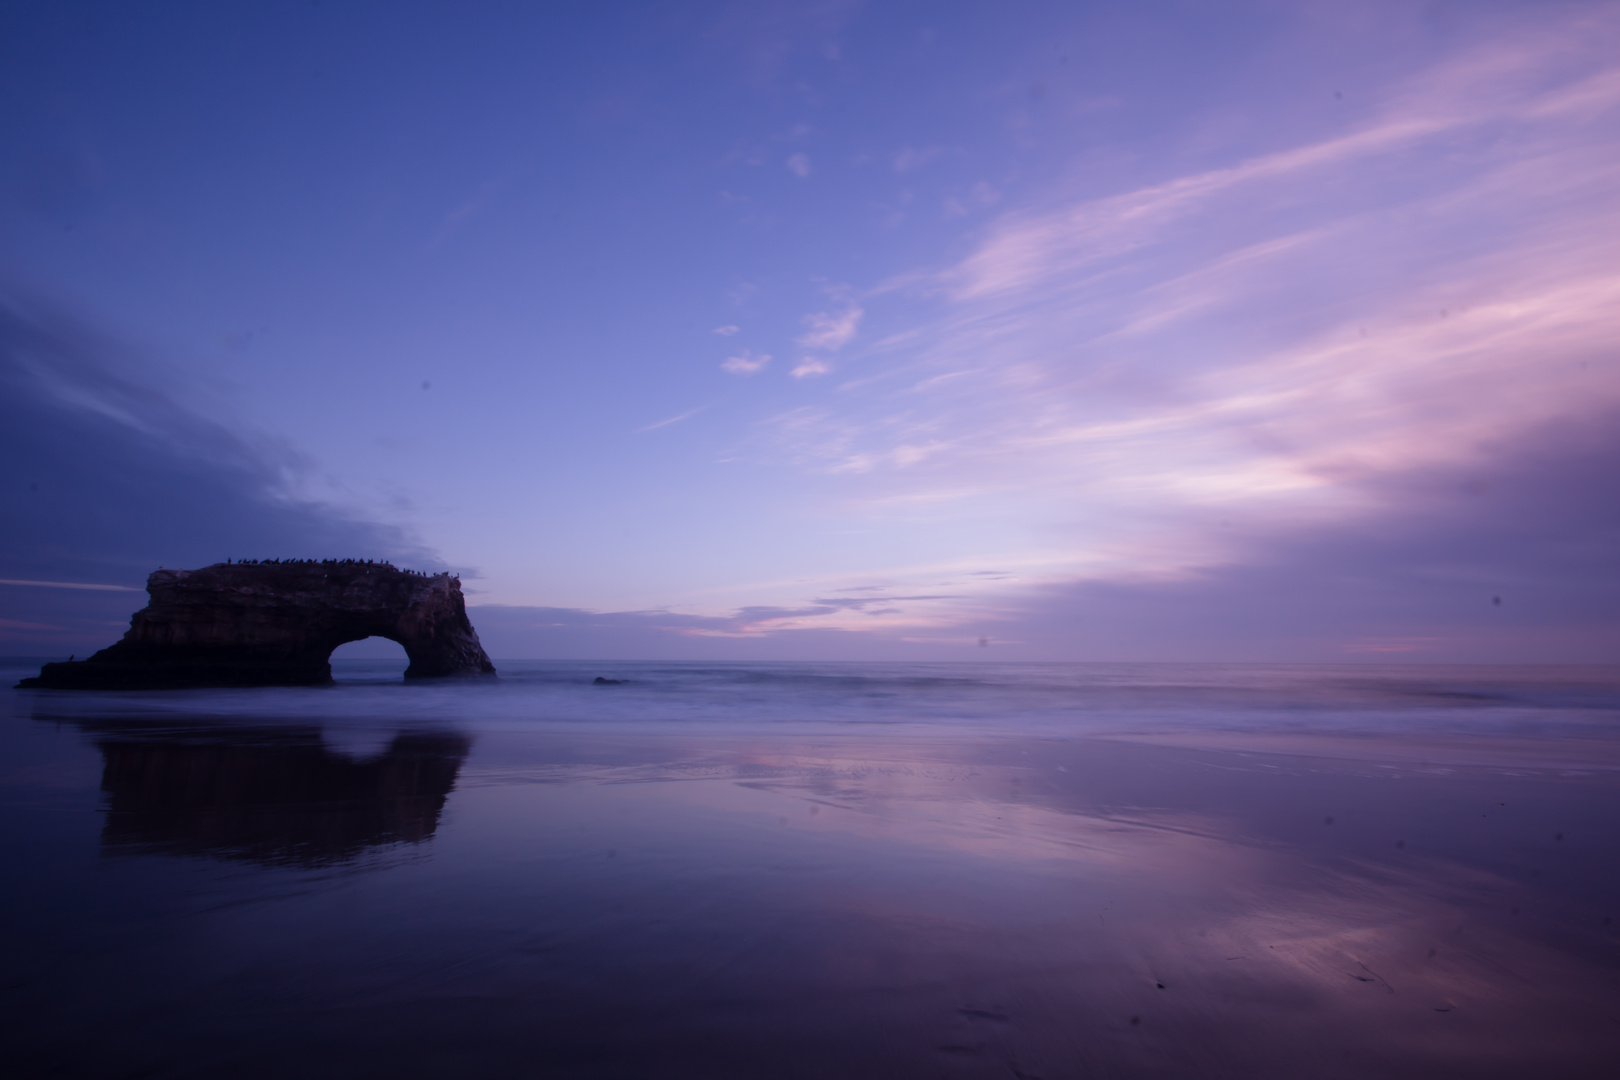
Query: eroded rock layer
x=276, y=624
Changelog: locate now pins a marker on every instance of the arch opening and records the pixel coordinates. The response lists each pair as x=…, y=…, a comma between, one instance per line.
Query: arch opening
x=369, y=660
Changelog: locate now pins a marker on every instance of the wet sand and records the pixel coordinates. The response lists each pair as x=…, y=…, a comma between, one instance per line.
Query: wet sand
x=201, y=891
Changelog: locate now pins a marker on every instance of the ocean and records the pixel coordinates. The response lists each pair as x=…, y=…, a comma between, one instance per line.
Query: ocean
x=818, y=870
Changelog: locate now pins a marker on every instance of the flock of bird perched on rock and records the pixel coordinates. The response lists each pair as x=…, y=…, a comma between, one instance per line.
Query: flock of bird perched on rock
x=378, y=564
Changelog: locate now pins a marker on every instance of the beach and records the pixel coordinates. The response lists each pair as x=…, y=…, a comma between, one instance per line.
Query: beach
x=1035, y=870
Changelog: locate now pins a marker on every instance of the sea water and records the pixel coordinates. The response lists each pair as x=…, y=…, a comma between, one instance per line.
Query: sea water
x=818, y=870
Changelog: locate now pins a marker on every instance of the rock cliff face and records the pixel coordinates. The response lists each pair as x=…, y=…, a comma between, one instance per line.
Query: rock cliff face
x=276, y=624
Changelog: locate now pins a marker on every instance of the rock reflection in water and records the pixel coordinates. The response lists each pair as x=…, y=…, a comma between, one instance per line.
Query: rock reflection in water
x=273, y=797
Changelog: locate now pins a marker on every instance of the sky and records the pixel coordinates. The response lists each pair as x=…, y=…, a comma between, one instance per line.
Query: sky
x=1252, y=331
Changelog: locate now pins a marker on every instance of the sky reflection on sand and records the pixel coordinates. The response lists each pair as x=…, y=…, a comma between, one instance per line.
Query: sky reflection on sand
x=1010, y=887
x=1251, y=930
x=712, y=900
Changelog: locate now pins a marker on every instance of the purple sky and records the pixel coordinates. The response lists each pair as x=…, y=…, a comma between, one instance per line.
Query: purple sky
x=1245, y=331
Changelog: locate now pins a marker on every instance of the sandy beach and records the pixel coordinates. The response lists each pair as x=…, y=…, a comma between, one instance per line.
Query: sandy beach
x=863, y=883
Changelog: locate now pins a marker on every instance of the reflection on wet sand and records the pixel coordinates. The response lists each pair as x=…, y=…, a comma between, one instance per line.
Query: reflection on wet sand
x=856, y=900
x=274, y=797
x=1047, y=907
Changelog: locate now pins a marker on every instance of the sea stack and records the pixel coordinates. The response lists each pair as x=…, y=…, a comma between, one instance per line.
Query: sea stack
x=276, y=623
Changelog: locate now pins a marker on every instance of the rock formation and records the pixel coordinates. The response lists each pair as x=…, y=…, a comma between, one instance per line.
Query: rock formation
x=276, y=624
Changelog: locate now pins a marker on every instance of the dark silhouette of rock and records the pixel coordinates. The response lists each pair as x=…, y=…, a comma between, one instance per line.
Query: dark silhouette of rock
x=276, y=624
x=607, y=682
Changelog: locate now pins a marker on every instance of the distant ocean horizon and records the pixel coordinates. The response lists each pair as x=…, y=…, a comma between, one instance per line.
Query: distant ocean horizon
x=1084, y=696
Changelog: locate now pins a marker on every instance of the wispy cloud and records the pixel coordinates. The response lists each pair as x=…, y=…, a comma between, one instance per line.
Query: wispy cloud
x=726, y=331
x=69, y=585
x=831, y=330
x=769, y=32
x=1163, y=375
x=799, y=164
x=1510, y=563
x=746, y=362
x=472, y=207
x=981, y=195
x=888, y=615
x=687, y=415
x=118, y=476
x=20, y=627
x=810, y=367
x=909, y=158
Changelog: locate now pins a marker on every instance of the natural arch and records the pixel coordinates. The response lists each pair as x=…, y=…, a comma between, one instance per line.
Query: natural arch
x=368, y=659
x=276, y=624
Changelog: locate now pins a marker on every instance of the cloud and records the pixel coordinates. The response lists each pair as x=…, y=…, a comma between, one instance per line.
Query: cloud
x=687, y=415
x=726, y=331
x=69, y=585
x=1539, y=81
x=1185, y=345
x=472, y=207
x=771, y=34
x=810, y=367
x=1223, y=393
x=908, y=454
x=908, y=158
x=1536, y=525
x=981, y=195
x=799, y=164
x=13, y=627
x=831, y=628
x=746, y=362
x=109, y=477
x=1533, y=524
x=831, y=330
